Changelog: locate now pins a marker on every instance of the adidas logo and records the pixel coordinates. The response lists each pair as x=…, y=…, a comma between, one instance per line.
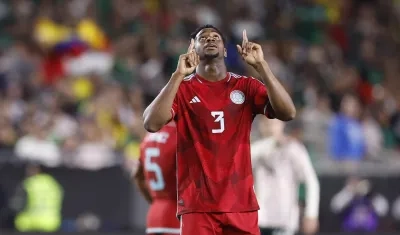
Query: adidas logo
x=195, y=100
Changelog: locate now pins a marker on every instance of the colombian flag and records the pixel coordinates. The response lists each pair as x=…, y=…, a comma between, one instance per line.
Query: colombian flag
x=63, y=43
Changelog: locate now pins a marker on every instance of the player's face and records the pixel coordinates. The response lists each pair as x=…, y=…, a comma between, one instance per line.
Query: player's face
x=209, y=44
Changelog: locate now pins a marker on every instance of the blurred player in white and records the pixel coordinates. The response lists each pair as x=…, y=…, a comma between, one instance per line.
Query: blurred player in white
x=156, y=179
x=280, y=164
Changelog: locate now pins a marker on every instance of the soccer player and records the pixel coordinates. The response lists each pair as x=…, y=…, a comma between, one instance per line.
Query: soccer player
x=281, y=163
x=156, y=179
x=213, y=110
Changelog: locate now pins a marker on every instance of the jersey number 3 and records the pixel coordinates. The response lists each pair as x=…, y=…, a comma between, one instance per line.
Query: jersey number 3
x=219, y=117
x=158, y=183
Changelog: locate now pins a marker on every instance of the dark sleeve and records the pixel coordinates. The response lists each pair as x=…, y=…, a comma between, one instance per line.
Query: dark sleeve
x=18, y=200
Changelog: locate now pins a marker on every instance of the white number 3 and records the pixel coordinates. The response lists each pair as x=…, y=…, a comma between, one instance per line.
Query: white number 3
x=219, y=117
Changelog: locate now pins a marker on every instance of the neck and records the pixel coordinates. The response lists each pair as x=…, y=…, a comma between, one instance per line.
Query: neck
x=214, y=70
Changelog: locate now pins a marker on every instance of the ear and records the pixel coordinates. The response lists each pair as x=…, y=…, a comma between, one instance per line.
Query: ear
x=225, y=53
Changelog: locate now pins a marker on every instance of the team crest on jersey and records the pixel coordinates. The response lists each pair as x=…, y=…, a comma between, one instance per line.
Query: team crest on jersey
x=237, y=97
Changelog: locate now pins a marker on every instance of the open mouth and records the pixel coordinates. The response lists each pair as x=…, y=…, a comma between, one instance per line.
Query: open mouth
x=211, y=46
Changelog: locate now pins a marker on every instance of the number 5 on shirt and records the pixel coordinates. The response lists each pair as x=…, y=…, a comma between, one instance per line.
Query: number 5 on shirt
x=158, y=183
x=219, y=117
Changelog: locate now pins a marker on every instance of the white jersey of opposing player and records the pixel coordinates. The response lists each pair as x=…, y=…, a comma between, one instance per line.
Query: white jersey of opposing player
x=279, y=169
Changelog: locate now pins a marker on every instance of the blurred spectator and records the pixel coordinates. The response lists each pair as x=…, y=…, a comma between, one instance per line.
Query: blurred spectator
x=35, y=146
x=346, y=137
x=205, y=14
x=395, y=125
x=396, y=212
x=8, y=135
x=245, y=20
x=88, y=222
x=280, y=164
x=76, y=75
x=4, y=212
x=38, y=202
x=316, y=119
x=360, y=207
x=95, y=148
x=373, y=136
x=64, y=61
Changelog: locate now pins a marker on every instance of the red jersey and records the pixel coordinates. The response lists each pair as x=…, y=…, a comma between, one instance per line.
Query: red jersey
x=213, y=124
x=158, y=158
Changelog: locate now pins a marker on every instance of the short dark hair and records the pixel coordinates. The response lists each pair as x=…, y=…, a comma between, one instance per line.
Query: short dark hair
x=207, y=26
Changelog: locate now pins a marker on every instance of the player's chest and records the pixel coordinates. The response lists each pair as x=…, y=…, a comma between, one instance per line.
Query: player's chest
x=230, y=99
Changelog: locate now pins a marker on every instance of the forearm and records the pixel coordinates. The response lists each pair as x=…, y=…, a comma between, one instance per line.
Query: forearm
x=312, y=198
x=280, y=100
x=341, y=200
x=143, y=190
x=158, y=113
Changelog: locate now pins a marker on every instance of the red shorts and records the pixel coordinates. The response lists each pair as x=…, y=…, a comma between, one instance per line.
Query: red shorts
x=242, y=223
x=161, y=218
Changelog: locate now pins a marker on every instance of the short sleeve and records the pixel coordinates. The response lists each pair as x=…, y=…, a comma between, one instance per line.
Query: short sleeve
x=259, y=94
x=174, y=108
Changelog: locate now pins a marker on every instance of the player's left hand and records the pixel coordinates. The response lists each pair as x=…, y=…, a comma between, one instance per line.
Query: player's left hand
x=310, y=226
x=251, y=52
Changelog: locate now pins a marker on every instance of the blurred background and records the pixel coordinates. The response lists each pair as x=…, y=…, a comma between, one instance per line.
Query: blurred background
x=76, y=75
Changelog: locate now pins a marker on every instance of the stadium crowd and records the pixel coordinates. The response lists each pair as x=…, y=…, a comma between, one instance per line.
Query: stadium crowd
x=76, y=75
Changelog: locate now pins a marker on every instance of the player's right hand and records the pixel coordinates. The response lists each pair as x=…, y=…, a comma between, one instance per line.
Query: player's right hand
x=188, y=62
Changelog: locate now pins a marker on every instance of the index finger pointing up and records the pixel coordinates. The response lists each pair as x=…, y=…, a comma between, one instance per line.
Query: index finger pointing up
x=191, y=46
x=245, y=39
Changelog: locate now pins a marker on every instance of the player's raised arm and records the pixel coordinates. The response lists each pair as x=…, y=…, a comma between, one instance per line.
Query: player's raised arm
x=279, y=99
x=158, y=113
